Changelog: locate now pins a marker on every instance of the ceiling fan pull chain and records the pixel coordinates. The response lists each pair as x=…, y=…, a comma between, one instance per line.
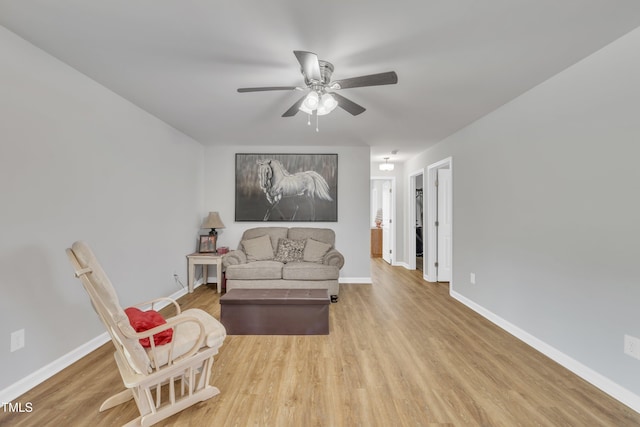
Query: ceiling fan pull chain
x=308, y=119
x=317, y=120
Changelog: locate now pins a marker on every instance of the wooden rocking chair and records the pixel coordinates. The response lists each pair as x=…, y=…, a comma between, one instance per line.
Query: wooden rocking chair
x=151, y=375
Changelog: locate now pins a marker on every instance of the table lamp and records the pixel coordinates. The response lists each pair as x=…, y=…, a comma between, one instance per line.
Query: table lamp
x=213, y=221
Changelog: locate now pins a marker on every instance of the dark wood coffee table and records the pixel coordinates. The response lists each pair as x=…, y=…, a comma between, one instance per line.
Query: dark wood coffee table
x=275, y=311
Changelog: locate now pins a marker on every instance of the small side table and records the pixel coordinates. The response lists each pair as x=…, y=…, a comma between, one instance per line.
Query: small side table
x=204, y=259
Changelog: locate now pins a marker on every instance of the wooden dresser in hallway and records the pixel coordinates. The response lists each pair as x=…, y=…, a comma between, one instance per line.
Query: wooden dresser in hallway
x=376, y=242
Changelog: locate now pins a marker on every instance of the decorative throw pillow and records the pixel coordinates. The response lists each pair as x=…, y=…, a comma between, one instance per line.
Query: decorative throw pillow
x=289, y=250
x=258, y=249
x=144, y=320
x=315, y=251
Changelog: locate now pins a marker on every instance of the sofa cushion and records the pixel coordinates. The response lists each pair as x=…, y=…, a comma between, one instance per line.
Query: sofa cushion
x=315, y=251
x=275, y=233
x=290, y=250
x=325, y=235
x=257, y=270
x=309, y=271
x=258, y=249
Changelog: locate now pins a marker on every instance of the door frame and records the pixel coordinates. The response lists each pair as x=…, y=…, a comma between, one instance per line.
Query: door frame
x=394, y=222
x=411, y=260
x=430, y=270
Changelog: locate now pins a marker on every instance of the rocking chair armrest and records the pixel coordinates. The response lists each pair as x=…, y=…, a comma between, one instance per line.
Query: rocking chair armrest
x=171, y=323
x=334, y=257
x=153, y=302
x=233, y=258
x=197, y=344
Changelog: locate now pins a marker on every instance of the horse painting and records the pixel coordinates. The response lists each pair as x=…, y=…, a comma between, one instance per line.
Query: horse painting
x=277, y=183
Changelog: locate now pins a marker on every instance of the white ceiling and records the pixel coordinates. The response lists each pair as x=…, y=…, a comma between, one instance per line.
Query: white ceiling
x=456, y=60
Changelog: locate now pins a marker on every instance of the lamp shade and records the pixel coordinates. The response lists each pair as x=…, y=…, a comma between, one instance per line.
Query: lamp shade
x=213, y=221
x=304, y=109
x=311, y=101
x=327, y=104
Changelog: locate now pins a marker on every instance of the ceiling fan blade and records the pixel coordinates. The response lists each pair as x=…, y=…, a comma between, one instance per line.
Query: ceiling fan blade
x=309, y=63
x=294, y=108
x=388, y=78
x=263, y=89
x=348, y=105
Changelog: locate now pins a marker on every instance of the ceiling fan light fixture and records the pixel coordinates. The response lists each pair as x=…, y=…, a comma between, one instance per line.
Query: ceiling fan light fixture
x=329, y=102
x=312, y=100
x=304, y=109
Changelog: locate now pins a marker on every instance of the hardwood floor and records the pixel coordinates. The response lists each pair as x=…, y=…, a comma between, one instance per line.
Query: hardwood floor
x=401, y=352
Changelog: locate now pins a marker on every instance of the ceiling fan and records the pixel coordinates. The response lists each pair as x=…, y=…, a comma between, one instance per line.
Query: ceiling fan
x=322, y=98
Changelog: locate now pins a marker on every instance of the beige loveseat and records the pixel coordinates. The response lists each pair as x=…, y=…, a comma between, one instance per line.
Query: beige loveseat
x=287, y=258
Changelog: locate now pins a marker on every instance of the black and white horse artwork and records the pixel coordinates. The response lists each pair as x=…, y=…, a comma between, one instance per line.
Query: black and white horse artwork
x=302, y=187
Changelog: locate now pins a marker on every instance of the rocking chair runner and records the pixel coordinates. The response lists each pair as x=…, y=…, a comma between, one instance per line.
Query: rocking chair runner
x=187, y=359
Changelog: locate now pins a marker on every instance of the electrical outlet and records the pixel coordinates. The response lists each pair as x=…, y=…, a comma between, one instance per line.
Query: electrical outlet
x=472, y=278
x=17, y=340
x=177, y=280
x=632, y=346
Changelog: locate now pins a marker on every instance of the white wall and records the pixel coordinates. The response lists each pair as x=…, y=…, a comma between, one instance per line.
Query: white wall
x=79, y=162
x=352, y=227
x=547, y=215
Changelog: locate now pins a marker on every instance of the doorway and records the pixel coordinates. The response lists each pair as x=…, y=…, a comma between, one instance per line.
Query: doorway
x=383, y=208
x=439, y=222
x=416, y=246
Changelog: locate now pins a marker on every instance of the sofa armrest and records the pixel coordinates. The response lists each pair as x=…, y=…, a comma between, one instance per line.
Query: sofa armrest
x=334, y=257
x=234, y=257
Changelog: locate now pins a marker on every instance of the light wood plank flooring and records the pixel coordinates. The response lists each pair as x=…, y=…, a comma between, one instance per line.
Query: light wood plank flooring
x=401, y=352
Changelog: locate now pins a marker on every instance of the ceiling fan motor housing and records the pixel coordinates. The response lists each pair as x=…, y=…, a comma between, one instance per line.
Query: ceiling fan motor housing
x=326, y=70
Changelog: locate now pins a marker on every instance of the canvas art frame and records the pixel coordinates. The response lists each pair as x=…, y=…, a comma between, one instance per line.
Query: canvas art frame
x=291, y=187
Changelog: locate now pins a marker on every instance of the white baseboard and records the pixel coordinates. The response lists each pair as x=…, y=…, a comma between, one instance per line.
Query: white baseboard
x=30, y=381
x=363, y=280
x=613, y=389
x=24, y=385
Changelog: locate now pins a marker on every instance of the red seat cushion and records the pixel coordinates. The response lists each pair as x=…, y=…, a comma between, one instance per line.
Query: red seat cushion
x=144, y=320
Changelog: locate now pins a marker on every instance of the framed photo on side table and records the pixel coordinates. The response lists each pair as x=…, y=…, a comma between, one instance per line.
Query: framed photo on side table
x=207, y=244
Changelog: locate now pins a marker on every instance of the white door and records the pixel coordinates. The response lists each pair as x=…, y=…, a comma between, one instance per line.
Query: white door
x=444, y=225
x=386, y=221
